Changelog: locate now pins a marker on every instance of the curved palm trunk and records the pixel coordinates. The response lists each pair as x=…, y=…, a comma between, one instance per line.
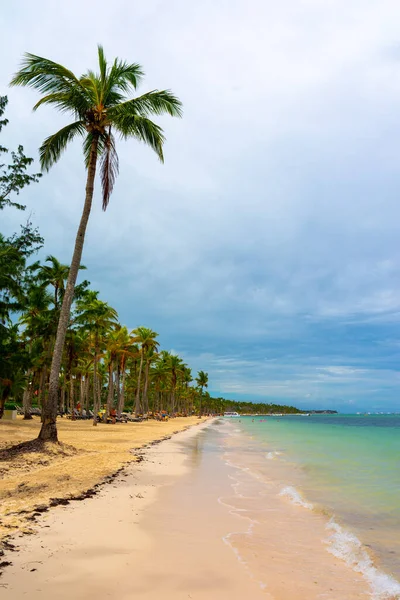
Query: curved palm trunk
x=48, y=431
x=137, y=404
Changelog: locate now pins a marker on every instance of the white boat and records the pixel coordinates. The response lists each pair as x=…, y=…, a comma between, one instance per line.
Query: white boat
x=231, y=414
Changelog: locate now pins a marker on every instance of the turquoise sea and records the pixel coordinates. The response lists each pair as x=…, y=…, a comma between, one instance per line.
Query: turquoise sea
x=347, y=466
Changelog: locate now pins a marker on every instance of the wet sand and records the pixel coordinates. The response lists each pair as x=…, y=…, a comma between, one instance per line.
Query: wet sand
x=181, y=524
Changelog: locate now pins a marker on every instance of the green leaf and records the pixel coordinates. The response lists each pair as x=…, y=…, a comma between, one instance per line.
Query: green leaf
x=153, y=103
x=53, y=146
x=142, y=129
x=44, y=75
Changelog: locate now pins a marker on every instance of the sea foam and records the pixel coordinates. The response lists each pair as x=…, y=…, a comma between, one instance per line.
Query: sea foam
x=295, y=497
x=346, y=546
x=272, y=455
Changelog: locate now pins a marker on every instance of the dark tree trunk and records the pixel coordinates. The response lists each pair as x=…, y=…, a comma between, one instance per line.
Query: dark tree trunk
x=137, y=404
x=48, y=431
x=120, y=401
x=3, y=399
x=71, y=397
x=87, y=391
x=95, y=397
x=145, y=399
x=27, y=397
x=62, y=400
x=110, y=395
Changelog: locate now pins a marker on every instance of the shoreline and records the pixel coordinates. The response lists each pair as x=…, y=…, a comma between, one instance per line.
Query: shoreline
x=338, y=539
x=186, y=521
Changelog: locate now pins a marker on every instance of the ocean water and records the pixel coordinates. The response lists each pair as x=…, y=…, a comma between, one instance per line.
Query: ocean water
x=346, y=467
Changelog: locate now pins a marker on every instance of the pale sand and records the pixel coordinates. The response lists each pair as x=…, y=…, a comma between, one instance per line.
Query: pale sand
x=103, y=548
x=143, y=537
x=89, y=455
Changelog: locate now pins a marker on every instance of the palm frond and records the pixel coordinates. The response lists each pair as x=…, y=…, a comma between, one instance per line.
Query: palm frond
x=53, y=146
x=123, y=75
x=44, y=75
x=109, y=168
x=156, y=102
x=142, y=129
x=91, y=83
x=120, y=79
x=74, y=101
x=102, y=63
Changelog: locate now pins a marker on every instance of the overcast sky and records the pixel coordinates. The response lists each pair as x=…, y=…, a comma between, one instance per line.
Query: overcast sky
x=266, y=249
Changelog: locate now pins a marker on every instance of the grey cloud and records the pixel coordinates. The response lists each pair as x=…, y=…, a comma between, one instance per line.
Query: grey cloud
x=272, y=229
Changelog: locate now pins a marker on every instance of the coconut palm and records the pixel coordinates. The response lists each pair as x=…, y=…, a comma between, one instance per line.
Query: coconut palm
x=96, y=317
x=202, y=382
x=126, y=350
x=99, y=105
x=159, y=374
x=186, y=380
x=176, y=368
x=55, y=274
x=147, y=339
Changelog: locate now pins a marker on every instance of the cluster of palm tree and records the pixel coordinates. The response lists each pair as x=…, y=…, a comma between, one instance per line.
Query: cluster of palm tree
x=103, y=363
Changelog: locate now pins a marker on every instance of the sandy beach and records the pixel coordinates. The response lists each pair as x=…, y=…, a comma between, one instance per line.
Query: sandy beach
x=183, y=523
x=112, y=545
x=86, y=457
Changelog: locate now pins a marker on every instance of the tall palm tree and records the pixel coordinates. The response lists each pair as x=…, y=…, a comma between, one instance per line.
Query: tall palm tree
x=38, y=329
x=96, y=317
x=202, y=382
x=55, y=274
x=176, y=368
x=147, y=339
x=186, y=380
x=126, y=350
x=159, y=373
x=99, y=105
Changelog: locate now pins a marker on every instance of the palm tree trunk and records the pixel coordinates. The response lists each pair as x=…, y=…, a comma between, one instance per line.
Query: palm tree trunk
x=173, y=402
x=71, y=397
x=137, y=404
x=121, y=401
x=110, y=395
x=95, y=401
x=173, y=394
x=27, y=397
x=42, y=390
x=146, y=385
x=81, y=392
x=48, y=431
x=87, y=391
x=63, y=399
